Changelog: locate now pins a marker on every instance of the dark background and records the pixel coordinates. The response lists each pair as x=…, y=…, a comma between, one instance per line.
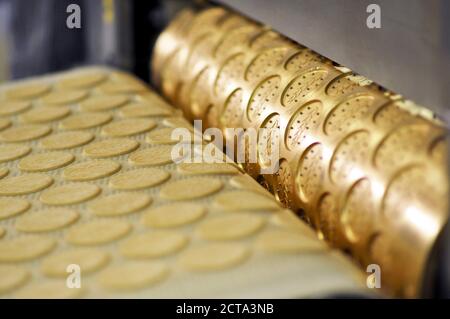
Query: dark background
x=36, y=40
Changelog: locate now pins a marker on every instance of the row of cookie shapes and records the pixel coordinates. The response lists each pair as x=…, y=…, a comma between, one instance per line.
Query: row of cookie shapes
x=114, y=203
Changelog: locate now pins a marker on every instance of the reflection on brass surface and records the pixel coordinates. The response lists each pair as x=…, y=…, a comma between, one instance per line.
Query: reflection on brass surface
x=365, y=167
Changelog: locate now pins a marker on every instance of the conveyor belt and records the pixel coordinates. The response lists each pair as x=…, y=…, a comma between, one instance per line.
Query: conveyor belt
x=88, y=187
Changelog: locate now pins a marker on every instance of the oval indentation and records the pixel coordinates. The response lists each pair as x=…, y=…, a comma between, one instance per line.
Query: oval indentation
x=343, y=85
x=201, y=49
x=264, y=63
x=301, y=60
x=349, y=157
x=233, y=40
x=344, y=115
x=229, y=74
x=416, y=200
x=328, y=217
x=391, y=115
x=301, y=86
x=310, y=173
x=269, y=38
x=199, y=96
x=268, y=141
x=358, y=215
x=283, y=180
x=264, y=96
x=233, y=110
x=302, y=122
x=403, y=146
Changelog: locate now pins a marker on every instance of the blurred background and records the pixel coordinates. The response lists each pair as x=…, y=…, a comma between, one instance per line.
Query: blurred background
x=34, y=38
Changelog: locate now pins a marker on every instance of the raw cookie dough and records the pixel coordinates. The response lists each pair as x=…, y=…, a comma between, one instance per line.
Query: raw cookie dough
x=110, y=147
x=24, y=184
x=66, y=140
x=46, y=220
x=85, y=121
x=173, y=215
x=138, y=179
x=90, y=170
x=25, y=248
x=10, y=207
x=41, y=162
x=12, y=277
x=97, y=232
x=89, y=260
x=190, y=188
x=230, y=227
x=68, y=194
x=132, y=276
x=119, y=204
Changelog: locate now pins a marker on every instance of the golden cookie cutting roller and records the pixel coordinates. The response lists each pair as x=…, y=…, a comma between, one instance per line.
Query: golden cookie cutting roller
x=92, y=205
x=364, y=166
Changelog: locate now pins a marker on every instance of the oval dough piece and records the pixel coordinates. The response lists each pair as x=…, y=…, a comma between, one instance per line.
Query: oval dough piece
x=10, y=207
x=132, y=276
x=111, y=147
x=173, y=215
x=49, y=290
x=284, y=241
x=213, y=257
x=41, y=162
x=24, y=133
x=90, y=170
x=103, y=103
x=97, y=232
x=46, y=220
x=128, y=127
x=66, y=140
x=89, y=260
x=68, y=194
x=44, y=114
x=64, y=97
x=138, y=179
x=206, y=168
x=119, y=204
x=164, y=136
x=25, y=248
x=12, y=277
x=153, y=245
x=122, y=88
x=158, y=155
x=24, y=184
x=190, y=188
x=245, y=200
x=13, y=107
x=230, y=227
x=13, y=152
x=80, y=81
x=85, y=121
x=142, y=109
x=28, y=91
